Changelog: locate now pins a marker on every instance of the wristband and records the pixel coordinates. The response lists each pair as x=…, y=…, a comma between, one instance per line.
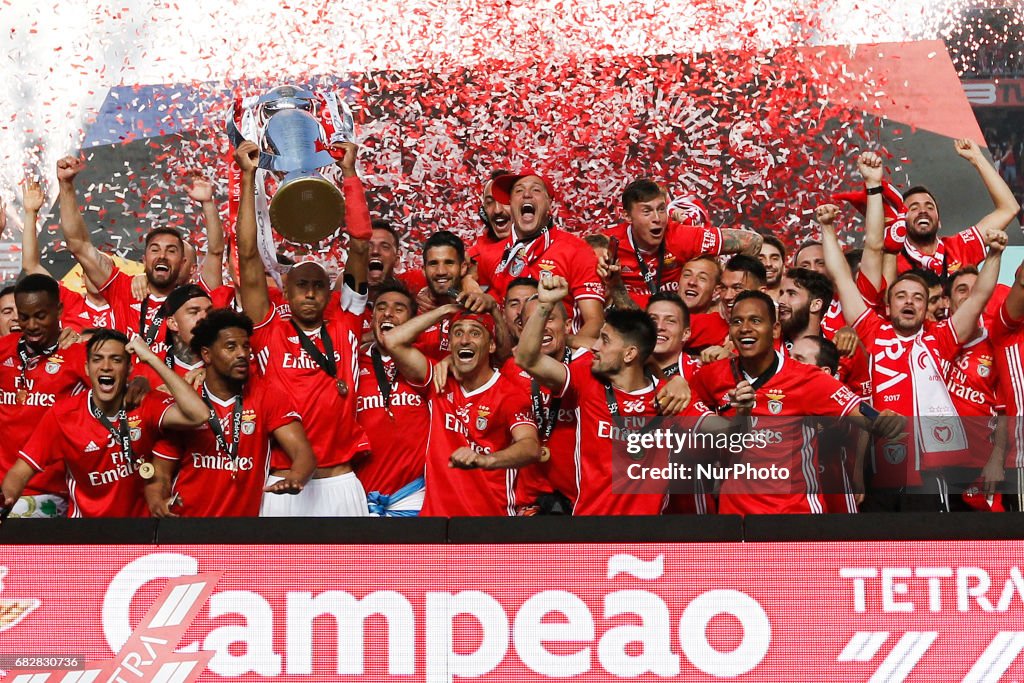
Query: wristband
x=874, y=190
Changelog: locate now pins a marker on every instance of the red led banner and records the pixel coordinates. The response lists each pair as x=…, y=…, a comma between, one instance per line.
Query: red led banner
x=696, y=612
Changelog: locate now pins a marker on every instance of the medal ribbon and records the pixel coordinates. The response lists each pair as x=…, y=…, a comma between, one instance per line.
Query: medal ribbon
x=325, y=361
x=121, y=432
x=149, y=333
x=653, y=280
x=218, y=431
x=385, y=380
x=25, y=358
x=547, y=417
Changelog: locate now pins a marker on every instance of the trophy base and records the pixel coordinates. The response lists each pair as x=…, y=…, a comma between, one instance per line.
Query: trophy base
x=307, y=208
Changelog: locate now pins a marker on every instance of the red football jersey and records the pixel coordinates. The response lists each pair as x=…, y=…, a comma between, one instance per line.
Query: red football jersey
x=682, y=243
x=129, y=311
x=972, y=386
x=593, y=451
x=482, y=419
x=893, y=387
x=966, y=248
x=328, y=417
x=204, y=479
x=79, y=313
x=398, y=435
x=48, y=379
x=555, y=252
x=1007, y=339
x=180, y=369
x=558, y=473
x=434, y=342
x=706, y=329
x=101, y=481
x=795, y=391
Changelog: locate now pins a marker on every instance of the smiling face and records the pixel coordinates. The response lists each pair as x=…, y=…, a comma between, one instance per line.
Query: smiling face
x=610, y=352
x=908, y=306
x=443, y=269
x=499, y=216
x=390, y=310
x=773, y=262
x=308, y=291
x=922, y=216
x=671, y=331
x=107, y=366
x=163, y=260
x=8, y=315
x=648, y=221
x=751, y=330
x=697, y=284
x=471, y=346
x=794, y=307
x=556, y=330
x=530, y=205
x=383, y=256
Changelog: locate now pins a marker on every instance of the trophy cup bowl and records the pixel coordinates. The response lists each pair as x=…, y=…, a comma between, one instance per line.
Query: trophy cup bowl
x=307, y=207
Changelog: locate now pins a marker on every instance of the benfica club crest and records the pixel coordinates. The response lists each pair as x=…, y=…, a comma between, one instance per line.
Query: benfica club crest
x=482, y=413
x=135, y=434
x=775, y=402
x=984, y=366
x=894, y=453
x=248, y=427
x=53, y=368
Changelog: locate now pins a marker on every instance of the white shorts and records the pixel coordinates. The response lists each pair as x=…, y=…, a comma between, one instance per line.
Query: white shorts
x=42, y=506
x=411, y=503
x=340, y=496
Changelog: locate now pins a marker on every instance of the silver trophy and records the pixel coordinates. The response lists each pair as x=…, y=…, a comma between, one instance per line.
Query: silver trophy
x=306, y=207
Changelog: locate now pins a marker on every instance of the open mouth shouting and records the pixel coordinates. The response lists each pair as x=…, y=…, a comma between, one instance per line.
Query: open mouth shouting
x=747, y=342
x=375, y=265
x=106, y=383
x=465, y=355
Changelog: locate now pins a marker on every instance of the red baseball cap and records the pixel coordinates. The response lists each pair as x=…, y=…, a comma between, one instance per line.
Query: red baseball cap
x=502, y=187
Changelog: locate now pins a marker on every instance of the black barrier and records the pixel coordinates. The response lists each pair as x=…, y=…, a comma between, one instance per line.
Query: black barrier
x=666, y=529
x=477, y=530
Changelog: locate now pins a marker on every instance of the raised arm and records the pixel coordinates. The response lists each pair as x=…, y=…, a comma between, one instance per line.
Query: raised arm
x=1015, y=299
x=252, y=277
x=736, y=241
x=965, y=320
x=95, y=266
x=32, y=198
x=212, y=269
x=871, y=168
x=546, y=370
x=838, y=268
x=1006, y=206
x=398, y=342
x=188, y=410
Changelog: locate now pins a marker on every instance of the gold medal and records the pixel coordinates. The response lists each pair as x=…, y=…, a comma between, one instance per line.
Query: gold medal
x=21, y=397
x=545, y=453
x=342, y=387
x=146, y=470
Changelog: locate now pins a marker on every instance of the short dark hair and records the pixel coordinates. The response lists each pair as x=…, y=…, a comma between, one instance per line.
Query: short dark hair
x=741, y=263
x=930, y=277
x=205, y=333
x=445, y=238
x=775, y=242
x=950, y=281
x=98, y=335
x=165, y=230
x=911, y=276
x=828, y=353
x=920, y=189
x=760, y=296
x=523, y=281
x=806, y=244
x=636, y=328
x=672, y=298
x=382, y=224
x=498, y=172
x=9, y=289
x=37, y=283
x=397, y=286
x=597, y=239
x=816, y=284
x=641, y=190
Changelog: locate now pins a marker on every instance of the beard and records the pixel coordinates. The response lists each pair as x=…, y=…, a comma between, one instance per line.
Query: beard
x=799, y=319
